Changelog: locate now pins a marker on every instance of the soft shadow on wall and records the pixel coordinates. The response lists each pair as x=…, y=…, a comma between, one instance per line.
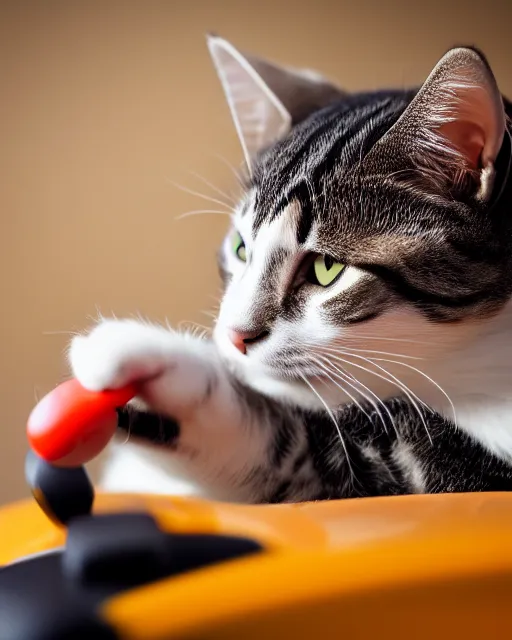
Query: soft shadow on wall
x=105, y=104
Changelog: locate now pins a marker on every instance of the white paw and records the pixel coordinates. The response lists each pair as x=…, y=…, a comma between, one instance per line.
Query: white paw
x=118, y=352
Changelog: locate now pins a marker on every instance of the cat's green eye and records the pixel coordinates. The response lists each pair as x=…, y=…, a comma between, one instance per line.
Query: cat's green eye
x=326, y=270
x=238, y=246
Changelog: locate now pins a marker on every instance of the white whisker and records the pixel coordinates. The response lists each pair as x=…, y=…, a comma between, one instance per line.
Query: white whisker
x=331, y=415
x=344, y=372
x=427, y=377
x=185, y=324
x=394, y=380
x=198, y=212
x=60, y=333
x=341, y=343
x=230, y=200
x=228, y=164
x=328, y=372
x=198, y=194
x=209, y=314
x=388, y=339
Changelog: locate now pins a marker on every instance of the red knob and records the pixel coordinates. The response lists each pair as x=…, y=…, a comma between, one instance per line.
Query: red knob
x=71, y=425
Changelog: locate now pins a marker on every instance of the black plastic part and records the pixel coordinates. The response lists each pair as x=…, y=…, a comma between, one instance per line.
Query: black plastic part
x=195, y=551
x=57, y=595
x=125, y=550
x=62, y=493
x=144, y=425
x=37, y=604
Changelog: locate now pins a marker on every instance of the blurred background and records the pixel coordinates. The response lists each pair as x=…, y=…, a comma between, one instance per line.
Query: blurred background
x=105, y=104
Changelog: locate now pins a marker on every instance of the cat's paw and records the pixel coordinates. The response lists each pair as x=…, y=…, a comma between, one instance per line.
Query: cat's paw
x=119, y=352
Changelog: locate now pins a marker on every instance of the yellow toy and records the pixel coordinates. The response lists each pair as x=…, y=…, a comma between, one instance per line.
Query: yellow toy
x=138, y=567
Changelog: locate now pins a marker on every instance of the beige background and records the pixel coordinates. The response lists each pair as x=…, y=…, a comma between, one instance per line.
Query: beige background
x=104, y=103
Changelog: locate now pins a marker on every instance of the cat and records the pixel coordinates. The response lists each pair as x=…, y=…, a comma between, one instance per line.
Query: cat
x=364, y=341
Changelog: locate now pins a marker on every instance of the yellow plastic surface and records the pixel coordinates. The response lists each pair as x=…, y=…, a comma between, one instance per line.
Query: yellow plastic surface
x=411, y=567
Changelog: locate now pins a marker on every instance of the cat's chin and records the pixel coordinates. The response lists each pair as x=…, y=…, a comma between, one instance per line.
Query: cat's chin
x=287, y=390
x=308, y=392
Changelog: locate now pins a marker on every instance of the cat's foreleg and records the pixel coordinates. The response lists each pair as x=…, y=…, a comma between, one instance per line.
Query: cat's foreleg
x=231, y=442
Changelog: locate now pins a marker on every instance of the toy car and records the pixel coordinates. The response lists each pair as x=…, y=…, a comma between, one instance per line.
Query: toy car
x=138, y=567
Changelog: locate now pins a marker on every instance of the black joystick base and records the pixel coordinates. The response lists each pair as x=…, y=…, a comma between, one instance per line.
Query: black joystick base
x=62, y=493
x=58, y=594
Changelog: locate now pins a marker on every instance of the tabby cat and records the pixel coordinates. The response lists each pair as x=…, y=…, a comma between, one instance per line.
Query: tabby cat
x=364, y=340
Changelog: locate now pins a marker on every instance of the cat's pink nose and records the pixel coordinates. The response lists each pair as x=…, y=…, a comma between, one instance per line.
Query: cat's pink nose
x=241, y=339
x=237, y=338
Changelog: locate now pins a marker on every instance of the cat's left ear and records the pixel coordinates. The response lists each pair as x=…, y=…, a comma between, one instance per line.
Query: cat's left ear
x=266, y=99
x=454, y=127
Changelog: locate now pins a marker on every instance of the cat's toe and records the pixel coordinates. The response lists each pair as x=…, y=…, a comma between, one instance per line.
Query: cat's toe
x=94, y=368
x=114, y=354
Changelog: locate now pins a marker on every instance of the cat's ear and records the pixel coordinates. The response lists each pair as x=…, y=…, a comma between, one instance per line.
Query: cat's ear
x=454, y=127
x=265, y=99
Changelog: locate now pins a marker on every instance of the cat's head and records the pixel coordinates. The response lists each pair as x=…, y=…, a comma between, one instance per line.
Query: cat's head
x=373, y=229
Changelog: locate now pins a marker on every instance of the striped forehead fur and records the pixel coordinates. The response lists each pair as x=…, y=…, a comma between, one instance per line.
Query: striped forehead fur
x=334, y=138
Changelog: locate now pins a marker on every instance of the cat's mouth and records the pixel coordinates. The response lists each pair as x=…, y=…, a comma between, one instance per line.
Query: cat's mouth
x=284, y=366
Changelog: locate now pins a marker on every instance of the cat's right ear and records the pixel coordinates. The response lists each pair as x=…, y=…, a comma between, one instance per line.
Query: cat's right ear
x=266, y=99
x=452, y=130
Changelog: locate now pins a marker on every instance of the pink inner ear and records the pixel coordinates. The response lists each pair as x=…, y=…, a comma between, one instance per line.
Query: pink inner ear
x=473, y=126
x=469, y=139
